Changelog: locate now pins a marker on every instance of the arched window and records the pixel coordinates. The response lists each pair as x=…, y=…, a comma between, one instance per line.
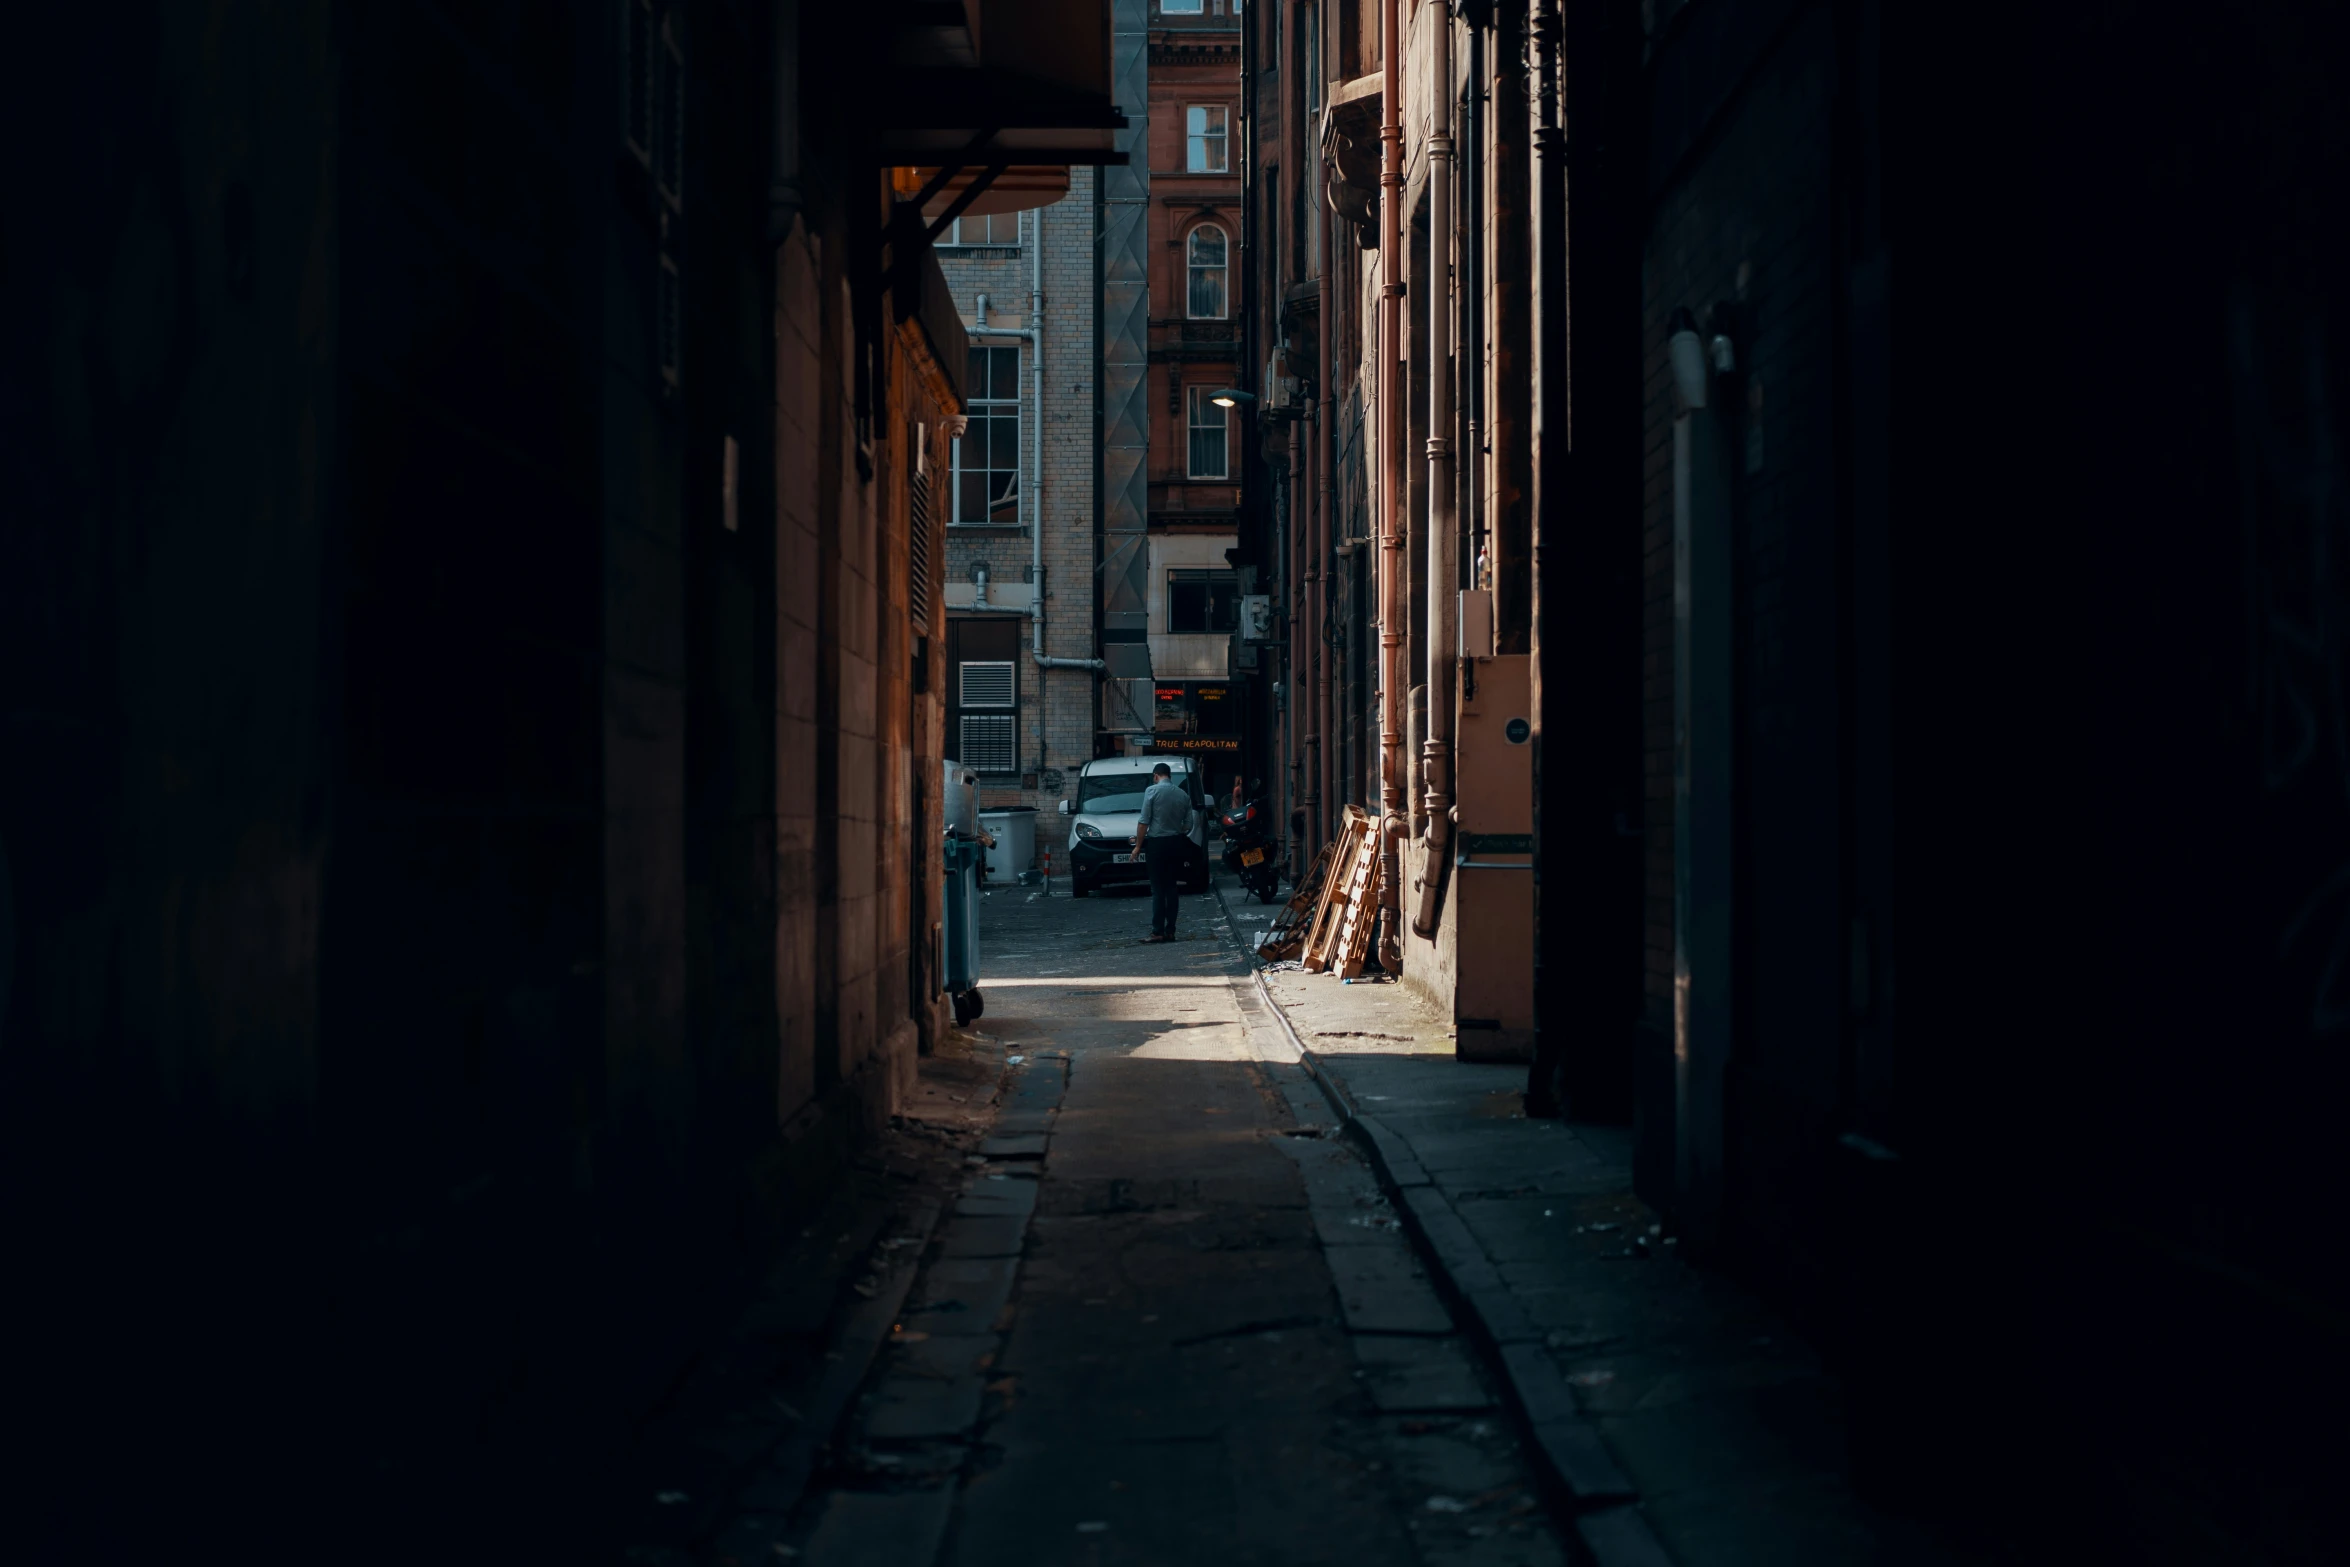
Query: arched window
x=1208, y=273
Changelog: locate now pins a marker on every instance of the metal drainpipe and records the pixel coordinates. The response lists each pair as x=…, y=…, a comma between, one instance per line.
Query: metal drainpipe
x=1306, y=627
x=1395, y=822
x=1547, y=440
x=1325, y=465
x=1443, y=540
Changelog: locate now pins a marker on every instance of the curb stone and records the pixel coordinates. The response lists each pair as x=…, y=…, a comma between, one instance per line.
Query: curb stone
x=781, y=1479
x=1600, y=1505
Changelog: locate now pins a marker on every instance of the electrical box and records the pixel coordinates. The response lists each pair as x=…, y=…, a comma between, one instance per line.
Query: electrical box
x=1493, y=862
x=1256, y=618
x=1476, y=622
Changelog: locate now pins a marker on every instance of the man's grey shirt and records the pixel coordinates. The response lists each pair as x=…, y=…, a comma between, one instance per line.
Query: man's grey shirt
x=1166, y=810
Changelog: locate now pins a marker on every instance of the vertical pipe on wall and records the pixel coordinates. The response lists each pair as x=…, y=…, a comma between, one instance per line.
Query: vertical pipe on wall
x=1443, y=538
x=1325, y=474
x=1469, y=288
x=1546, y=236
x=1305, y=626
x=1396, y=822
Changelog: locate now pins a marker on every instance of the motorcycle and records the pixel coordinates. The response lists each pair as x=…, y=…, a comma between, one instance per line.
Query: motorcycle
x=1250, y=852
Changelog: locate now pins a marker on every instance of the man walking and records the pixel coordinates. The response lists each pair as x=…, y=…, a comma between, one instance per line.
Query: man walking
x=1160, y=837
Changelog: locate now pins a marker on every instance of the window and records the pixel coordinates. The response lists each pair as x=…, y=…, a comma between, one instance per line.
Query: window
x=1111, y=793
x=1210, y=436
x=996, y=228
x=1207, y=254
x=1310, y=61
x=1204, y=139
x=983, y=730
x=987, y=453
x=1203, y=601
x=1182, y=7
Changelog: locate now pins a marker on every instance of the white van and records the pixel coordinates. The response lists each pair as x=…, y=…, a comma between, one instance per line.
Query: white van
x=1103, y=815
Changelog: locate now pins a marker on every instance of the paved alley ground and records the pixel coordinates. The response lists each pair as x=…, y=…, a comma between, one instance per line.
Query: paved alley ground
x=1173, y=1259
x=1171, y=1319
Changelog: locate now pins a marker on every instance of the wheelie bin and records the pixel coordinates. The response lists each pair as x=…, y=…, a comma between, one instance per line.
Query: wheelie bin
x=959, y=930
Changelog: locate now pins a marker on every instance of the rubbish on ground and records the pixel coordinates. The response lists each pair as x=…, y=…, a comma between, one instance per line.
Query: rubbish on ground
x=1014, y=1060
x=1548, y=1214
x=669, y=1498
x=1592, y=1378
x=1447, y=1504
x=1605, y=1228
x=1093, y=1526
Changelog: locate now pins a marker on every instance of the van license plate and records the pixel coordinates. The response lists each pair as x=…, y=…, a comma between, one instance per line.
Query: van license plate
x=1252, y=856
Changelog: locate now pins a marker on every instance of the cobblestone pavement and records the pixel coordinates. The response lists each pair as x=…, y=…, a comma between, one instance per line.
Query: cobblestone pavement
x=1170, y=1318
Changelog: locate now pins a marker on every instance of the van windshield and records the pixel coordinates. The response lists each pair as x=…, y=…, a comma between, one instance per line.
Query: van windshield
x=1108, y=793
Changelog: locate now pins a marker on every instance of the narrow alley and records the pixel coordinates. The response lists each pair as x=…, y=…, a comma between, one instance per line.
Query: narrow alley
x=1200, y=1294
x=1170, y=1317
x=1722, y=626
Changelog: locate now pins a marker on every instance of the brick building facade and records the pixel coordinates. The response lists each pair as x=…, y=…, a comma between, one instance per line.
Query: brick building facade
x=1197, y=256
x=997, y=269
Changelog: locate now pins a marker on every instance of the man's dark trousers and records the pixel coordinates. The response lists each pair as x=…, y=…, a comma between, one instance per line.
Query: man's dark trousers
x=1164, y=858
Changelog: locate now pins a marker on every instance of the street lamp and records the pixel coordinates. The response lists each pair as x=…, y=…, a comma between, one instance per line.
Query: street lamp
x=1230, y=397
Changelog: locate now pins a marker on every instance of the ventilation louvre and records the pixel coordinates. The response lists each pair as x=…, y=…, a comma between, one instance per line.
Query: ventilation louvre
x=988, y=684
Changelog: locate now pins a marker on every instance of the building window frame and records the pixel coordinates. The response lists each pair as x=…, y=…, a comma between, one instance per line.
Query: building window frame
x=984, y=232
x=1207, y=135
x=1207, y=444
x=1202, y=601
x=1207, y=272
x=989, y=485
x=984, y=710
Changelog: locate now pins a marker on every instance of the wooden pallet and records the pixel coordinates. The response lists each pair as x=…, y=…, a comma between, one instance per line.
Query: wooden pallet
x=1362, y=914
x=1348, y=908
x=1287, y=938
